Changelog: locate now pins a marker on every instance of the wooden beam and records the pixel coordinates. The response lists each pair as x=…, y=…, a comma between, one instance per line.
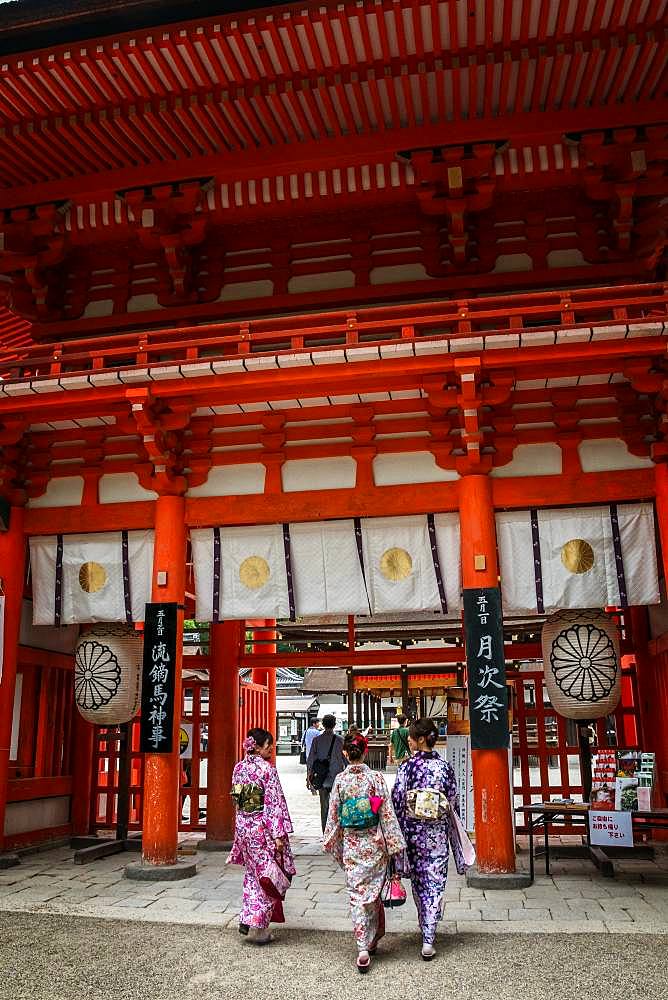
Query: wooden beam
x=372, y=501
x=339, y=153
x=377, y=657
x=104, y=517
x=28, y=789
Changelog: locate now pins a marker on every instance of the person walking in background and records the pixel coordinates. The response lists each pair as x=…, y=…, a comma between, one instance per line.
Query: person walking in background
x=309, y=735
x=261, y=841
x=362, y=833
x=399, y=740
x=324, y=762
x=424, y=794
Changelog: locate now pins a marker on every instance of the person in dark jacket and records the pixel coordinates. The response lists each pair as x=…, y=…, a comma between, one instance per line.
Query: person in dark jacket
x=326, y=747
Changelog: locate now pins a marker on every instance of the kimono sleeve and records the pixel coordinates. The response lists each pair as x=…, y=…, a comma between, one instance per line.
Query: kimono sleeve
x=333, y=837
x=276, y=816
x=393, y=837
x=399, y=794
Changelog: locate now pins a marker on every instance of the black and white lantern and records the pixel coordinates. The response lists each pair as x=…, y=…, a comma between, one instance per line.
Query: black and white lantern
x=107, y=674
x=582, y=663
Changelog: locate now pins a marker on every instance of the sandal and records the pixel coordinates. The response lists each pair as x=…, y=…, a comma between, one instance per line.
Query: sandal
x=363, y=962
x=428, y=952
x=244, y=929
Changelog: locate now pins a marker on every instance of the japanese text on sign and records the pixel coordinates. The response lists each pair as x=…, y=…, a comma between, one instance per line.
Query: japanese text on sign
x=157, y=721
x=488, y=696
x=606, y=828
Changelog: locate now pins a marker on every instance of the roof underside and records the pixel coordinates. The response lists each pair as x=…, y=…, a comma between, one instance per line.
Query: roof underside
x=340, y=80
x=358, y=139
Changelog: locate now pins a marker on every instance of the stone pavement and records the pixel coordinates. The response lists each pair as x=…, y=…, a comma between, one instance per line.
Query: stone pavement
x=575, y=899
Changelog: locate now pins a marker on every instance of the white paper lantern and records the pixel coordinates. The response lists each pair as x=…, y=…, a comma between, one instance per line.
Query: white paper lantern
x=583, y=672
x=107, y=674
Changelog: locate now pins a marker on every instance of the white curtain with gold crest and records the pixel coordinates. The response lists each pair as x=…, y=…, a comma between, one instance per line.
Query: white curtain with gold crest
x=412, y=563
x=355, y=566
x=98, y=577
x=240, y=572
x=584, y=557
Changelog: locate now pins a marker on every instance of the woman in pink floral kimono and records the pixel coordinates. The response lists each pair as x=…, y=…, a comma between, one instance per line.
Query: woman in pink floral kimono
x=260, y=834
x=363, y=853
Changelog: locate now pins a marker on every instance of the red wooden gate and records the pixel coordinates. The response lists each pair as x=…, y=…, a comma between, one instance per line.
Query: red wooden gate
x=253, y=709
x=194, y=765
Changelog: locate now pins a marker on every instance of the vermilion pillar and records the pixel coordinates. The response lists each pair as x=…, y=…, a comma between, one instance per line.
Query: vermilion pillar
x=161, y=770
x=12, y=573
x=494, y=835
x=223, y=732
x=82, y=773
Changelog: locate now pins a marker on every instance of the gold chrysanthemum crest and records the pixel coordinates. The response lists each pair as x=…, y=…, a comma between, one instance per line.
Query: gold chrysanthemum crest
x=577, y=556
x=254, y=572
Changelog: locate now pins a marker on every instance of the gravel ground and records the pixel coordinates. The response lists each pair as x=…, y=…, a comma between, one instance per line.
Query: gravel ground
x=45, y=957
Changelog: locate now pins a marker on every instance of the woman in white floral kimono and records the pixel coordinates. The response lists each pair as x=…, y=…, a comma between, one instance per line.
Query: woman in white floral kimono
x=363, y=853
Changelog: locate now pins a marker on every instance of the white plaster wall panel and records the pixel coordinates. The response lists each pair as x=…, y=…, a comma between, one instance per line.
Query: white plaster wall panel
x=398, y=272
x=609, y=454
x=566, y=258
x=408, y=468
x=319, y=474
x=40, y=814
x=531, y=460
x=143, y=303
x=509, y=262
x=122, y=487
x=237, y=290
x=232, y=480
x=99, y=307
x=323, y=282
x=65, y=492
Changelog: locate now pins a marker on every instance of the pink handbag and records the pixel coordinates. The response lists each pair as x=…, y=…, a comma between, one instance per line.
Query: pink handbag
x=393, y=893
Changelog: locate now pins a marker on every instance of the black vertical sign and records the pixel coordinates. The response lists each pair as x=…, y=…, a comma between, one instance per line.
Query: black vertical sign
x=158, y=676
x=488, y=694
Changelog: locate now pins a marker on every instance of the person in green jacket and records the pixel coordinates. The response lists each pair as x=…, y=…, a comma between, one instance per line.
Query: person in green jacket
x=399, y=739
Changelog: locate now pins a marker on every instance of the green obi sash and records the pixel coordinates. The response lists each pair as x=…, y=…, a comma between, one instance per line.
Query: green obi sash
x=357, y=814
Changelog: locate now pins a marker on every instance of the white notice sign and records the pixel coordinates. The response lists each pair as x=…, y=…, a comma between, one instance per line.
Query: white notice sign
x=458, y=754
x=610, y=829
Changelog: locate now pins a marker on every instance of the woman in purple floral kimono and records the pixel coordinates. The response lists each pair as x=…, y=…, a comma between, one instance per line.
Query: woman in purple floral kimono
x=363, y=853
x=260, y=834
x=427, y=840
